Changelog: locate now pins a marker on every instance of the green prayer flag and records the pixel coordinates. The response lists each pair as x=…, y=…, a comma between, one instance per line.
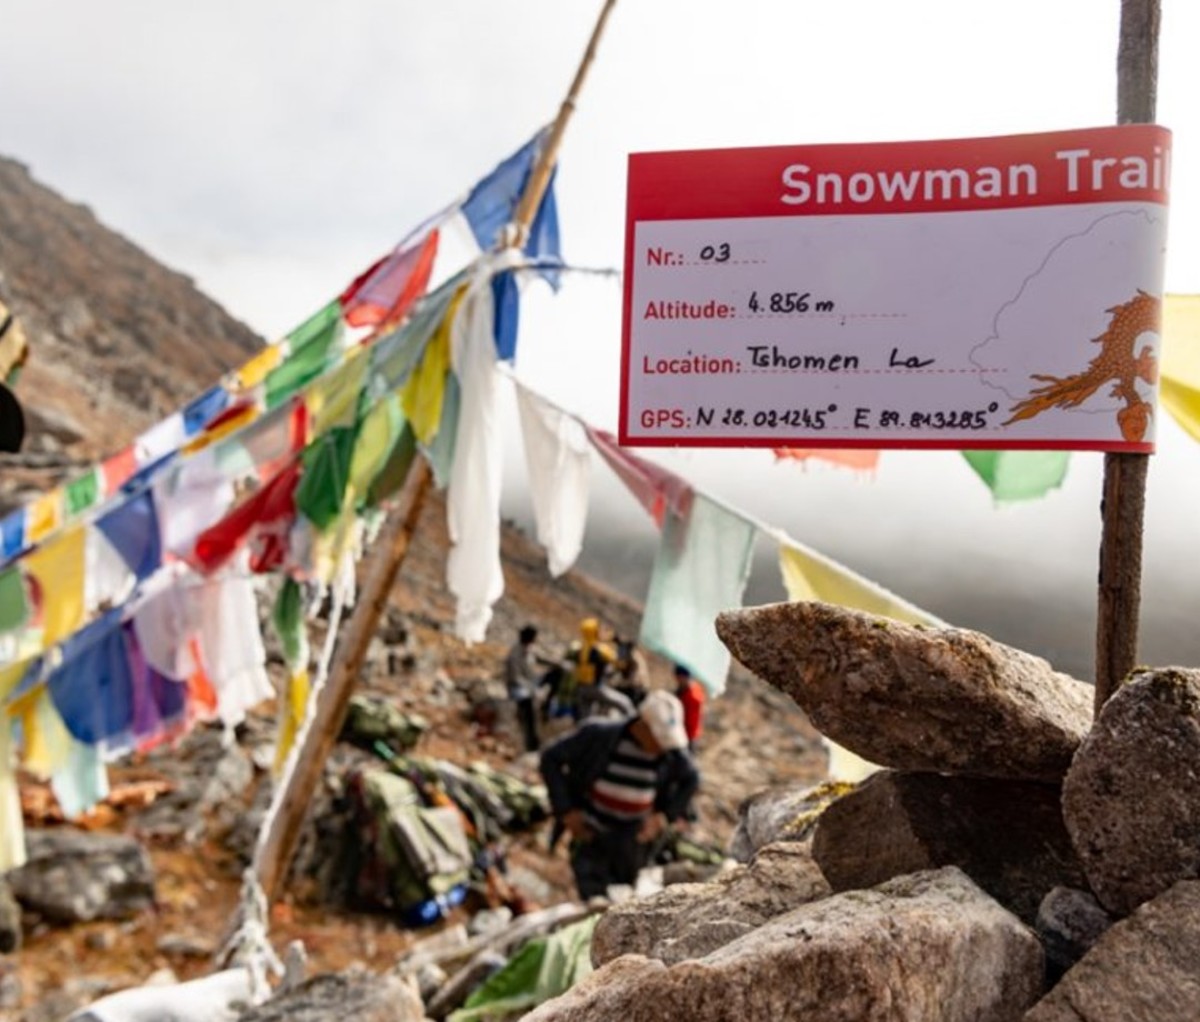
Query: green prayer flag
x=309, y=345
x=322, y=486
x=288, y=619
x=377, y=435
x=702, y=566
x=83, y=492
x=1019, y=475
x=14, y=607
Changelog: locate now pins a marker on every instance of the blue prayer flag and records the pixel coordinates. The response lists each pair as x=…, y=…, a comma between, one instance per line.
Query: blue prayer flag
x=141, y=478
x=493, y=201
x=544, y=240
x=132, y=529
x=507, y=300
x=13, y=528
x=93, y=687
x=200, y=412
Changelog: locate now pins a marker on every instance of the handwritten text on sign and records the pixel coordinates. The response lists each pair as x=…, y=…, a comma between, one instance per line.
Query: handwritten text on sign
x=978, y=293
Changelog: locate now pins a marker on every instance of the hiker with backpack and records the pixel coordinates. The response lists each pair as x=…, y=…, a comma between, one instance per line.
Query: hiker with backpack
x=589, y=659
x=614, y=787
x=521, y=682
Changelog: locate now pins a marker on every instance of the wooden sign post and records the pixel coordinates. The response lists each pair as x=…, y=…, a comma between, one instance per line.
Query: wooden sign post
x=1124, y=502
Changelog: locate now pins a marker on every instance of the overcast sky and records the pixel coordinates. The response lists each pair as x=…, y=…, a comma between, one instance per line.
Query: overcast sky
x=272, y=149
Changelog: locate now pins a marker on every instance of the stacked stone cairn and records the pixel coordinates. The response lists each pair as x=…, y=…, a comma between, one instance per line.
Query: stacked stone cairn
x=1010, y=861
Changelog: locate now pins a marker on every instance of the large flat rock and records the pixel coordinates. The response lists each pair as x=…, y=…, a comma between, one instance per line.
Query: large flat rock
x=930, y=947
x=913, y=698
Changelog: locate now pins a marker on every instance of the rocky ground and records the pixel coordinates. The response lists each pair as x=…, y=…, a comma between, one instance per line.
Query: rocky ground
x=193, y=805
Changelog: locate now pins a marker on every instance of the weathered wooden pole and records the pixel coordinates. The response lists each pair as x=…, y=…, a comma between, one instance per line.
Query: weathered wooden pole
x=278, y=845
x=1124, y=502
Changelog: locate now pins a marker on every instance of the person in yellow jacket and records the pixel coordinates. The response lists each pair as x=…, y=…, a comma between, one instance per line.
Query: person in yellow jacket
x=591, y=661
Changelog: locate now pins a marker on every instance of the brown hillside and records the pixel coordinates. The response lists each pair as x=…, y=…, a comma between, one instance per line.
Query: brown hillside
x=117, y=339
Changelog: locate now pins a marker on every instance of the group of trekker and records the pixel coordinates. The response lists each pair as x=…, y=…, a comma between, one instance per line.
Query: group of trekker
x=625, y=773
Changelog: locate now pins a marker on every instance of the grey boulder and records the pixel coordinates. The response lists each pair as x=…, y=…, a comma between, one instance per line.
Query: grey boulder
x=1143, y=969
x=1131, y=800
x=76, y=876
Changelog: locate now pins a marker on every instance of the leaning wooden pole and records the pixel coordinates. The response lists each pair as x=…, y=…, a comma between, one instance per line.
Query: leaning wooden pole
x=1124, y=502
x=539, y=179
x=274, y=852
x=278, y=845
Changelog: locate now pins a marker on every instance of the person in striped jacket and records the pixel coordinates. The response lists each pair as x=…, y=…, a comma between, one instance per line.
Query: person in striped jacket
x=614, y=786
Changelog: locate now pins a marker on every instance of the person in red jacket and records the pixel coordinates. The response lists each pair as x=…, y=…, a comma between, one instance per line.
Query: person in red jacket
x=691, y=694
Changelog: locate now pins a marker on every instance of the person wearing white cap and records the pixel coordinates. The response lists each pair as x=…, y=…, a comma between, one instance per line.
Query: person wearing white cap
x=615, y=785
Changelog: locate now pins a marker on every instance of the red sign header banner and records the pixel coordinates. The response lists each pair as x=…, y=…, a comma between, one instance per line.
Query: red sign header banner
x=1126, y=163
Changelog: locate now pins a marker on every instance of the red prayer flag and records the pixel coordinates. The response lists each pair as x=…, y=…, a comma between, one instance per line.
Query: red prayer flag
x=862, y=459
x=267, y=516
x=118, y=469
x=385, y=292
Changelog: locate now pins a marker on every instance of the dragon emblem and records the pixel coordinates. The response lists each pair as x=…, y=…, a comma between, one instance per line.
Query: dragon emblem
x=1116, y=362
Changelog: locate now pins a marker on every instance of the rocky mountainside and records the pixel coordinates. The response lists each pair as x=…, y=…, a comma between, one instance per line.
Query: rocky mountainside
x=117, y=340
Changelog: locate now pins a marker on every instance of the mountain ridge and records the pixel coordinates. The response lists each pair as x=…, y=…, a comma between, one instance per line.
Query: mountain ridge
x=117, y=340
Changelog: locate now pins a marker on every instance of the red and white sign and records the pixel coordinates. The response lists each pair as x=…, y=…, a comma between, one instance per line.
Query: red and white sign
x=974, y=293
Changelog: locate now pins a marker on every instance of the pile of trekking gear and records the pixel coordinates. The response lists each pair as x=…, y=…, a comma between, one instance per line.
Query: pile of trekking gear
x=420, y=834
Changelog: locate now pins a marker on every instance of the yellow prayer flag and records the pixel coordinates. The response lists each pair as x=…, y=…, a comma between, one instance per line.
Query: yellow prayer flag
x=1179, y=390
x=58, y=569
x=423, y=393
x=806, y=577
x=10, y=674
x=47, y=740
x=45, y=515
x=252, y=373
x=292, y=708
